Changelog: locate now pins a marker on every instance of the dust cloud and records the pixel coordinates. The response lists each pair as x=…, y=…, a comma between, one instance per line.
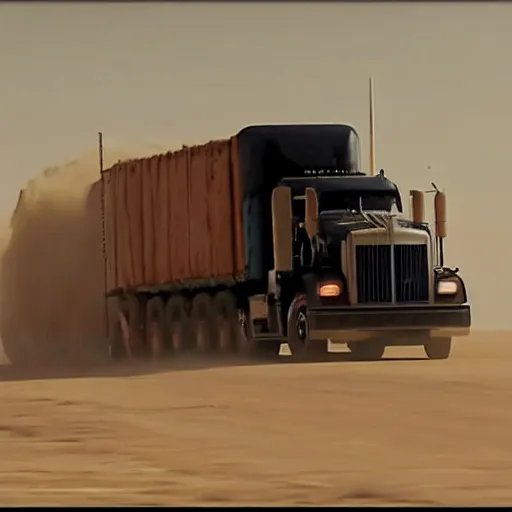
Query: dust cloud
x=52, y=305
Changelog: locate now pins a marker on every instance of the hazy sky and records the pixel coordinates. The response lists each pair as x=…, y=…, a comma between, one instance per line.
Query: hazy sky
x=148, y=73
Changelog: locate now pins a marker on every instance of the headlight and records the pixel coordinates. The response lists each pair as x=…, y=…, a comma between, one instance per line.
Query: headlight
x=447, y=287
x=329, y=290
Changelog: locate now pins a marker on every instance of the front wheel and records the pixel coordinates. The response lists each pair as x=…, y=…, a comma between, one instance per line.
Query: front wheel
x=300, y=343
x=438, y=348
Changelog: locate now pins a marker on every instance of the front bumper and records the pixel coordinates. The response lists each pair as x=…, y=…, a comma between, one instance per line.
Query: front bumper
x=350, y=324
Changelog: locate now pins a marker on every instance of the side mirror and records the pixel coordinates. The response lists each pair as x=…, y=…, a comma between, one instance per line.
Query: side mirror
x=311, y=219
x=282, y=228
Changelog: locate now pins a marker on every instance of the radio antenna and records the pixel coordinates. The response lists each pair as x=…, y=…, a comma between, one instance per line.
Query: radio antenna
x=372, y=129
x=100, y=150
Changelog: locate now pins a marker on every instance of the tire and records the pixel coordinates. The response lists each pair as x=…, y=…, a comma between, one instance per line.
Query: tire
x=136, y=319
x=177, y=322
x=127, y=329
x=117, y=346
x=156, y=332
x=225, y=316
x=248, y=346
x=202, y=324
x=367, y=350
x=438, y=348
x=302, y=347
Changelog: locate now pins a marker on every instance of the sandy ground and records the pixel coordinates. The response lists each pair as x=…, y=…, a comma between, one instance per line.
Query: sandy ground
x=405, y=432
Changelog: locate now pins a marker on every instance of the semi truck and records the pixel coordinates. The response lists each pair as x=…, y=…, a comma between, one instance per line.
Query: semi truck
x=274, y=235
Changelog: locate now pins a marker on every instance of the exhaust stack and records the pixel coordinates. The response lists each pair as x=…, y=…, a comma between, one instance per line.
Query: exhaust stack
x=440, y=220
x=440, y=213
x=418, y=206
x=282, y=228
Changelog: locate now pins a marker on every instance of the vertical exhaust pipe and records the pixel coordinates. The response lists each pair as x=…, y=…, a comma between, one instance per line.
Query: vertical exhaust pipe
x=282, y=228
x=418, y=206
x=440, y=220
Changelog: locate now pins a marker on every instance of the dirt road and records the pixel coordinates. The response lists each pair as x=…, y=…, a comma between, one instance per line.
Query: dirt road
x=409, y=432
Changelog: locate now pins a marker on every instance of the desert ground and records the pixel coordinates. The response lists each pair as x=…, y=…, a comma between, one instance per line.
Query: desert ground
x=402, y=431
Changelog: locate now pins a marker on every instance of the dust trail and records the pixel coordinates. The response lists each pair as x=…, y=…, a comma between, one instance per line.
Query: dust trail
x=51, y=268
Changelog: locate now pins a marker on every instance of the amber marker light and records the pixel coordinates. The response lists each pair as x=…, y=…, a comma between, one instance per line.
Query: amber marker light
x=329, y=290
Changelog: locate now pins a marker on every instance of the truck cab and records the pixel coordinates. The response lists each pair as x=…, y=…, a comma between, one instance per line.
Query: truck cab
x=349, y=267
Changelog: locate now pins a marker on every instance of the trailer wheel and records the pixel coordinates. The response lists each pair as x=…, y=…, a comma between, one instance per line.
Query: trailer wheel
x=301, y=345
x=118, y=339
x=226, y=322
x=245, y=337
x=438, y=348
x=250, y=347
x=116, y=346
x=155, y=327
x=136, y=318
x=367, y=350
x=177, y=324
x=202, y=323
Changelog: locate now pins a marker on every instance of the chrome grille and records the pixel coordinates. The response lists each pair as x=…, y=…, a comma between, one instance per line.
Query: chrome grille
x=411, y=273
x=374, y=276
x=373, y=273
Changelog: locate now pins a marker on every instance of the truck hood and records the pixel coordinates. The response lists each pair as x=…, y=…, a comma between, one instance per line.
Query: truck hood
x=335, y=226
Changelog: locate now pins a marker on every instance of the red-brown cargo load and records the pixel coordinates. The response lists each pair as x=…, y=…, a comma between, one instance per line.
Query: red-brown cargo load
x=174, y=218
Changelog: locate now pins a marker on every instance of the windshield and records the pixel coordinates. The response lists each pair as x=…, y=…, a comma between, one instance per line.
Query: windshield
x=337, y=200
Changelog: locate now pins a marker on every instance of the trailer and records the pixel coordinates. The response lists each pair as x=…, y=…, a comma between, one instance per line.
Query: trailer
x=273, y=236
